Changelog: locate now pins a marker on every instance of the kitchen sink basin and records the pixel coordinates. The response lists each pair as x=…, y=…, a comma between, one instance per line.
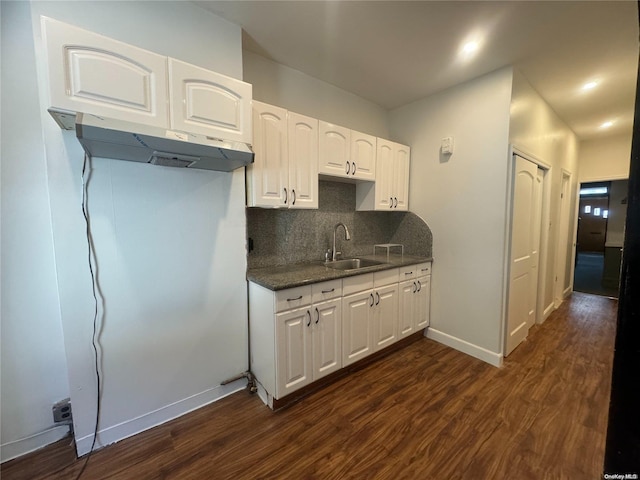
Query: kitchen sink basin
x=352, y=264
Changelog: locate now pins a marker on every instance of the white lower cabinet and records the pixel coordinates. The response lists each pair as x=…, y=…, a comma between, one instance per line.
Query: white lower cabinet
x=301, y=334
x=415, y=297
x=357, y=326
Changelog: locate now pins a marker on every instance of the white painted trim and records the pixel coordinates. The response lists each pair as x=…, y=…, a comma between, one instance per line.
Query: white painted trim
x=22, y=446
x=603, y=179
x=157, y=417
x=463, y=346
x=567, y=291
x=529, y=156
x=547, y=311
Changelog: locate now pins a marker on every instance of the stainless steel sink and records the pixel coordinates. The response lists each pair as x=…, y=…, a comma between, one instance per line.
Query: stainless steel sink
x=352, y=264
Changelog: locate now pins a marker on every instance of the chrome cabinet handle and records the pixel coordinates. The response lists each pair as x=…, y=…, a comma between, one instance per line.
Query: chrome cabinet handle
x=396, y=205
x=378, y=297
x=285, y=196
x=293, y=195
x=390, y=202
x=309, y=322
x=424, y=269
x=354, y=168
x=415, y=287
x=317, y=315
x=329, y=291
x=294, y=299
x=408, y=273
x=419, y=285
x=348, y=168
x=371, y=304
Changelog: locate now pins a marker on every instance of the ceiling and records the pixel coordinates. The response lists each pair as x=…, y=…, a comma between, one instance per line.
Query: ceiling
x=396, y=52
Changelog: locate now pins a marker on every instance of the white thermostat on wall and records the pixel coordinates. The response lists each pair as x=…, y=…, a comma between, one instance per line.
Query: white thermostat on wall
x=447, y=145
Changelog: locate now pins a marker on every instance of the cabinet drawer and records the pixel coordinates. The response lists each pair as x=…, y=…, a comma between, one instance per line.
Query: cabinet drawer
x=386, y=277
x=356, y=284
x=424, y=269
x=293, y=298
x=408, y=272
x=326, y=291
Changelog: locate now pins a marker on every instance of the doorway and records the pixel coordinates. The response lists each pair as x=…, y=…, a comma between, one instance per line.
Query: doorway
x=600, y=236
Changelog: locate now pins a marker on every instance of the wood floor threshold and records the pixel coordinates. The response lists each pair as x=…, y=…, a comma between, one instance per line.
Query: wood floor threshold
x=288, y=400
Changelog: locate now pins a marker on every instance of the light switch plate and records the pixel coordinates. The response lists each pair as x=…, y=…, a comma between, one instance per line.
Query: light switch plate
x=447, y=145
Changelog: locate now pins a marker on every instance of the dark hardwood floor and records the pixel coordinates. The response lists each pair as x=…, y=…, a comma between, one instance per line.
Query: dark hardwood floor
x=426, y=412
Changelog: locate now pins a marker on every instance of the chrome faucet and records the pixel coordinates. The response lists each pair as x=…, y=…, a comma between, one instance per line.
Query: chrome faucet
x=334, y=253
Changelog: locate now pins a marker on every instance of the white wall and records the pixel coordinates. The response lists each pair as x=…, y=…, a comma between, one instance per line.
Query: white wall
x=537, y=130
x=34, y=367
x=296, y=91
x=463, y=199
x=170, y=243
x=605, y=158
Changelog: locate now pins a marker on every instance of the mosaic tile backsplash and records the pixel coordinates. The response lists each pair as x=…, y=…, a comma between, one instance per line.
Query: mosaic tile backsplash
x=282, y=236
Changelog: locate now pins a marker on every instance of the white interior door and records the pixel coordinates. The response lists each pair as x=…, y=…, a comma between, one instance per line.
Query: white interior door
x=520, y=271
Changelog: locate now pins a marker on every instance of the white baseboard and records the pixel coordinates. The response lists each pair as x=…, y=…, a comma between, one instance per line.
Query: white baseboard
x=463, y=346
x=547, y=311
x=567, y=291
x=17, y=448
x=149, y=420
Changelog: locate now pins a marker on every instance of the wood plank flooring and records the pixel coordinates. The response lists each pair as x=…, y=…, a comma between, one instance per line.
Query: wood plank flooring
x=426, y=412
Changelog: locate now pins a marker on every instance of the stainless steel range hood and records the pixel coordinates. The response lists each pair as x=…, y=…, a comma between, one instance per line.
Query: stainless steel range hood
x=108, y=138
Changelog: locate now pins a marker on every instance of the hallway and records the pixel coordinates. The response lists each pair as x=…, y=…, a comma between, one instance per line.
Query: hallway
x=426, y=412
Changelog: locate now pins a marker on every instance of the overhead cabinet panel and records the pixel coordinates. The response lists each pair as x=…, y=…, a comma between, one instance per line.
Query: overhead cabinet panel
x=94, y=74
x=209, y=103
x=335, y=150
x=268, y=176
x=303, y=161
x=363, y=156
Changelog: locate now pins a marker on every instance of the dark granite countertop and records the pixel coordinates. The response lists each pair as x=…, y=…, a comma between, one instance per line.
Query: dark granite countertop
x=295, y=275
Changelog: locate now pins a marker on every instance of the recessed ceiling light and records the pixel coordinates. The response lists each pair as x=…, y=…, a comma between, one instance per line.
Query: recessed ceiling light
x=606, y=124
x=470, y=47
x=590, y=85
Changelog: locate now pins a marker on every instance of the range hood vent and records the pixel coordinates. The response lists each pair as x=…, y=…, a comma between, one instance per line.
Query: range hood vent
x=108, y=138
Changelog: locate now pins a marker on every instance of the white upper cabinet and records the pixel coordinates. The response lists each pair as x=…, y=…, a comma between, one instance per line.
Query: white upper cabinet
x=363, y=156
x=206, y=102
x=285, y=169
x=303, y=161
x=401, y=177
x=334, y=150
x=391, y=188
x=95, y=74
x=268, y=176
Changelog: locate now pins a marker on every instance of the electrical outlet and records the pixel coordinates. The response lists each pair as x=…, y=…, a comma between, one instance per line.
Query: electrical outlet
x=62, y=412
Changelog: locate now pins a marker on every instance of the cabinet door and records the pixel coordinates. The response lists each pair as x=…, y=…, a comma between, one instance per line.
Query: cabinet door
x=406, y=310
x=363, y=156
x=384, y=175
x=357, y=334
x=423, y=300
x=293, y=351
x=385, y=316
x=326, y=335
x=267, y=177
x=206, y=102
x=303, y=161
x=401, y=165
x=334, y=150
x=94, y=74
